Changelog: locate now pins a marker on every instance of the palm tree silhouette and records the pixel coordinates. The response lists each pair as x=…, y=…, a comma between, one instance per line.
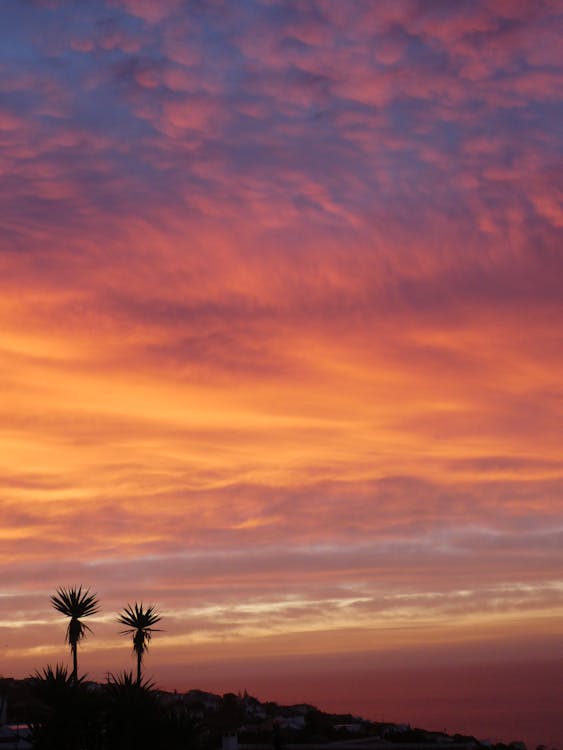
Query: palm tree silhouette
x=75, y=603
x=139, y=622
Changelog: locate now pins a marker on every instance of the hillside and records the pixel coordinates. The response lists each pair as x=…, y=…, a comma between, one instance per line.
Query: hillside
x=209, y=718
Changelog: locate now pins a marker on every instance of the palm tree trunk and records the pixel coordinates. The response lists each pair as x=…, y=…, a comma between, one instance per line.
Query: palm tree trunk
x=139, y=660
x=74, y=648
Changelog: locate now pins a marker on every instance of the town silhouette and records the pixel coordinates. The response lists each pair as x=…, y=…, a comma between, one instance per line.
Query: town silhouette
x=60, y=709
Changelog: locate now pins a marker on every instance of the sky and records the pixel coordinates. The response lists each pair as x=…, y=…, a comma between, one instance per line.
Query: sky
x=281, y=348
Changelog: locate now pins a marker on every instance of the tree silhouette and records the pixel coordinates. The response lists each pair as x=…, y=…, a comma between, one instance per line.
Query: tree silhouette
x=75, y=603
x=133, y=713
x=139, y=622
x=63, y=713
x=135, y=718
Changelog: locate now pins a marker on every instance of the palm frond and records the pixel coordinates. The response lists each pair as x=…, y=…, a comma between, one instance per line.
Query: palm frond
x=75, y=602
x=136, y=617
x=76, y=631
x=125, y=681
x=58, y=674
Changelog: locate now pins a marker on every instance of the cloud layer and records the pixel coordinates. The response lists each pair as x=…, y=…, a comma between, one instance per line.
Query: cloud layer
x=280, y=292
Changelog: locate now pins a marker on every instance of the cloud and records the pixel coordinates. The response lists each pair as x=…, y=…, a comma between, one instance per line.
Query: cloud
x=280, y=301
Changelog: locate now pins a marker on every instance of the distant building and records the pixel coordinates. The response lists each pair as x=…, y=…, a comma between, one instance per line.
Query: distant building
x=291, y=722
x=355, y=728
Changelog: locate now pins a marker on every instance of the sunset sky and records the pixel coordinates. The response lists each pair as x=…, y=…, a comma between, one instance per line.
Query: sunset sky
x=281, y=345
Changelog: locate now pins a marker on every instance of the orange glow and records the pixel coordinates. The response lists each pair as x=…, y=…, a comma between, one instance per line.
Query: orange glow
x=280, y=331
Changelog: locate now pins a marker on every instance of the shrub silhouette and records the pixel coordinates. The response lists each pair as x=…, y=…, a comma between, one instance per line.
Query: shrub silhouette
x=65, y=715
x=132, y=714
x=123, y=714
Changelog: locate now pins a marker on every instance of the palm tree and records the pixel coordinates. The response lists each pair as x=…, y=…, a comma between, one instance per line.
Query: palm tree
x=75, y=603
x=139, y=622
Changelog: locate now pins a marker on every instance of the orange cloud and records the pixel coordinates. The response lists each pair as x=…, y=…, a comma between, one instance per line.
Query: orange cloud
x=280, y=303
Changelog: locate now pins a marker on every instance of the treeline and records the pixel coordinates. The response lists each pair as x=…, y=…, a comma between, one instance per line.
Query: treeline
x=123, y=714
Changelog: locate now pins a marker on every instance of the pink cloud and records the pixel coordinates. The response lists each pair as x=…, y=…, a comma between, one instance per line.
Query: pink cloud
x=389, y=51
x=194, y=113
x=9, y=121
x=290, y=275
x=151, y=11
